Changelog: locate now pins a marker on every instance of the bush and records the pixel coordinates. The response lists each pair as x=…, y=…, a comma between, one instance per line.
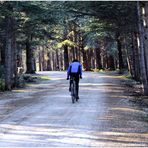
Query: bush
x=2, y=85
x=29, y=78
x=25, y=78
x=2, y=73
x=2, y=81
x=20, y=82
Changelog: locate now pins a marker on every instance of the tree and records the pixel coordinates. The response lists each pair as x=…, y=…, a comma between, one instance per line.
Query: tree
x=9, y=43
x=142, y=22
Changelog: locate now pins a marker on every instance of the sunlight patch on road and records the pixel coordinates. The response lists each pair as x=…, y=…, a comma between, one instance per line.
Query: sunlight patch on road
x=128, y=110
x=23, y=90
x=45, y=78
x=136, y=139
x=58, y=79
x=109, y=76
x=66, y=136
x=119, y=96
x=35, y=134
x=97, y=84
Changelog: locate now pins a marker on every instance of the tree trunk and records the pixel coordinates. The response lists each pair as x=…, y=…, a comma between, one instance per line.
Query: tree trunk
x=79, y=46
x=19, y=56
x=49, y=62
x=88, y=58
x=73, y=53
x=105, y=59
x=2, y=62
x=93, y=59
x=135, y=58
x=111, y=64
x=119, y=47
x=61, y=60
x=85, y=63
x=43, y=58
x=57, y=60
x=8, y=55
x=54, y=60
x=29, y=57
x=142, y=50
x=98, y=58
x=127, y=54
x=40, y=61
x=66, y=61
x=14, y=74
x=76, y=42
x=146, y=37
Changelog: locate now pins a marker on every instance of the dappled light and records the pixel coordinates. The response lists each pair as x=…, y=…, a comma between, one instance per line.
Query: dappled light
x=73, y=74
x=69, y=136
x=128, y=110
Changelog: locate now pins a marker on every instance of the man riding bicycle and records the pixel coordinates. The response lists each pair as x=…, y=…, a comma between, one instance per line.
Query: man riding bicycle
x=75, y=70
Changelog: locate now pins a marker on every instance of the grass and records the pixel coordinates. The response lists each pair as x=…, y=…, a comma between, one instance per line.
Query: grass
x=98, y=70
x=44, y=78
x=126, y=74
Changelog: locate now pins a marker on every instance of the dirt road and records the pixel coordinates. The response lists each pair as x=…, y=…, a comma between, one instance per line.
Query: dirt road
x=42, y=115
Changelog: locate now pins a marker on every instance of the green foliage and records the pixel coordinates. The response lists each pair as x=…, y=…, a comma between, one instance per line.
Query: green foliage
x=112, y=48
x=40, y=20
x=129, y=76
x=66, y=42
x=122, y=15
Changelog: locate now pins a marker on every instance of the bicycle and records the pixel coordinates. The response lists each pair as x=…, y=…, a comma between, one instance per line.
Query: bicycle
x=73, y=90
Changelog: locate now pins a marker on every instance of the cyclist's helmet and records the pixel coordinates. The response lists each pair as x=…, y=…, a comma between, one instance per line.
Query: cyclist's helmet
x=75, y=60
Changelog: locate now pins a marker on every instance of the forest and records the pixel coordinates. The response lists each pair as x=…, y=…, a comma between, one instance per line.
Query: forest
x=47, y=36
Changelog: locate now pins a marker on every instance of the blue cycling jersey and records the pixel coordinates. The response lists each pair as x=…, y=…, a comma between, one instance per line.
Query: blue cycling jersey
x=74, y=67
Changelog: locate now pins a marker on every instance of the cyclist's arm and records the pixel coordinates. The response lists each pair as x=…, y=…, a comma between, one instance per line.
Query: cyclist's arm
x=68, y=71
x=80, y=70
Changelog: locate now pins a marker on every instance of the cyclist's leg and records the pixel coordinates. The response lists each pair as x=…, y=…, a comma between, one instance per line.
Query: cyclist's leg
x=70, y=85
x=70, y=82
x=77, y=86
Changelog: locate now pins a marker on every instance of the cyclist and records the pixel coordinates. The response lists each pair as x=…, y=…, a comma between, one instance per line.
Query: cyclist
x=75, y=70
